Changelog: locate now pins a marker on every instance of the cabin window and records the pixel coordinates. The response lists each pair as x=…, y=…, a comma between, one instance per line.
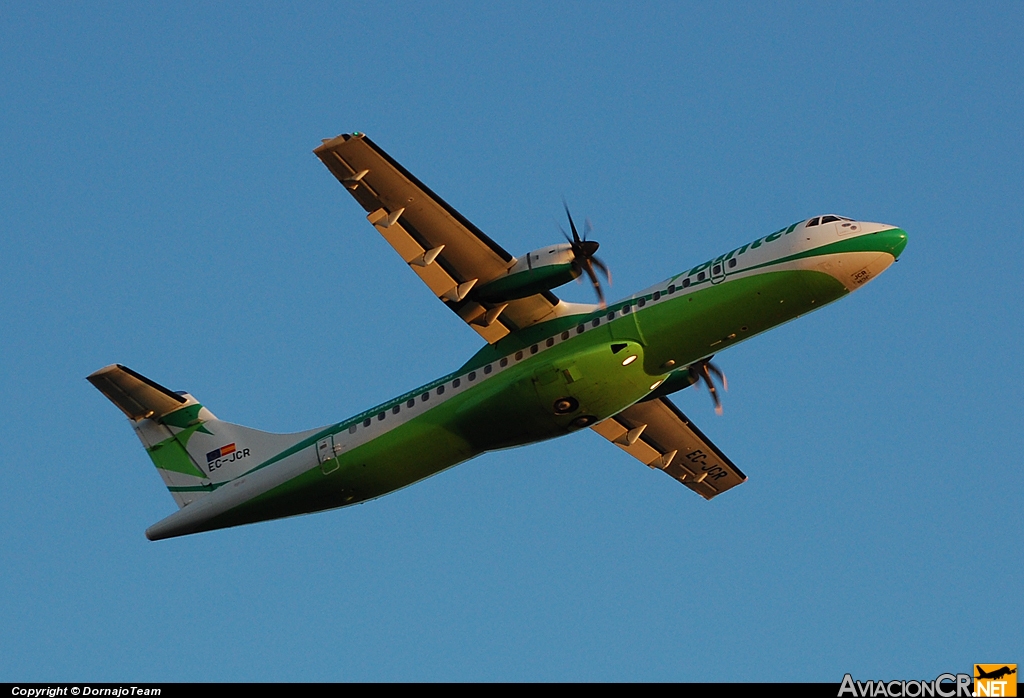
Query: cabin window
x=565, y=335
x=533, y=349
x=595, y=322
x=701, y=276
x=641, y=302
x=352, y=429
x=411, y=403
x=519, y=356
x=732, y=263
x=625, y=309
x=717, y=270
x=487, y=368
x=440, y=390
x=366, y=422
x=550, y=342
x=686, y=283
x=813, y=221
x=472, y=375
x=395, y=409
x=579, y=329
x=456, y=383
x=671, y=289
x=657, y=295
x=424, y=397
x=380, y=417
x=504, y=362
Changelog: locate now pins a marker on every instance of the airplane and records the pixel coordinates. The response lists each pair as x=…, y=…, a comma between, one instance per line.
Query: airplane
x=548, y=367
x=994, y=674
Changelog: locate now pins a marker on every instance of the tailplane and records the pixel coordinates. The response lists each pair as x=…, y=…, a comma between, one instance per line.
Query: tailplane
x=193, y=451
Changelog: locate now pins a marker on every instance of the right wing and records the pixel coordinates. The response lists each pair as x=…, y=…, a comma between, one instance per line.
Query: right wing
x=450, y=254
x=657, y=434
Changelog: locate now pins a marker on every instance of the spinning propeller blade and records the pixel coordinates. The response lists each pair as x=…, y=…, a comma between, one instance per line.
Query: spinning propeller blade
x=583, y=251
x=703, y=371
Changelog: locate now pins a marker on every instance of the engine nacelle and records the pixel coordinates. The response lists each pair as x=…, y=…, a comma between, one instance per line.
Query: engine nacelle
x=538, y=271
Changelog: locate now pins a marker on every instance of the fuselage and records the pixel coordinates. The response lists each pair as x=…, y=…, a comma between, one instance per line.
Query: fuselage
x=582, y=366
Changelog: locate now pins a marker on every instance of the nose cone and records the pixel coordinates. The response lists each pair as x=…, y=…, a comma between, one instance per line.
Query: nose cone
x=895, y=241
x=884, y=238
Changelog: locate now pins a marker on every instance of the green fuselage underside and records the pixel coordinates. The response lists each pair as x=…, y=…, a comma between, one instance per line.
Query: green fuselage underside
x=514, y=407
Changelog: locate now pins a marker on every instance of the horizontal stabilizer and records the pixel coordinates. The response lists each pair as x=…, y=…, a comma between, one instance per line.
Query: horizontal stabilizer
x=134, y=394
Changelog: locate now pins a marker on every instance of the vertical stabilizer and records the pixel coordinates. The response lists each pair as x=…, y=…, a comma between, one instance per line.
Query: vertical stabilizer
x=193, y=451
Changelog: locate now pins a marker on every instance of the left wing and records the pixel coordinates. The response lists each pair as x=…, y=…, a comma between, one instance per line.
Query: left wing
x=450, y=254
x=657, y=434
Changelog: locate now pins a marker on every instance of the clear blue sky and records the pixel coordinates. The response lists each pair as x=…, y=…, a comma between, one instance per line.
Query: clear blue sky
x=161, y=208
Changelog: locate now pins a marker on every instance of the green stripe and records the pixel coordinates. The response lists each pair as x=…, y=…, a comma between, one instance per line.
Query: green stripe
x=538, y=333
x=892, y=241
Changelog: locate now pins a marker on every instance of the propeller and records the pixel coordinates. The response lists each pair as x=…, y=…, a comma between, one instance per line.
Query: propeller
x=703, y=371
x=583, y=251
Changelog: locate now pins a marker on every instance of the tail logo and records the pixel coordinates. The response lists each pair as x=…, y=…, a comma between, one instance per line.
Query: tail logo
x=224, y=455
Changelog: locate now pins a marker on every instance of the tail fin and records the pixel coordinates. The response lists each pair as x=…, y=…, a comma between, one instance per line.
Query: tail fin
x=193, y=451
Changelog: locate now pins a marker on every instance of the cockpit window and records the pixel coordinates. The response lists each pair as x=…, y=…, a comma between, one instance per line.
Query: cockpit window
x=813, y=221
x=829, y=219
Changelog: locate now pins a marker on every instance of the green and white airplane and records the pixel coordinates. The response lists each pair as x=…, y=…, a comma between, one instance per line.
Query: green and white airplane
x=549, y=367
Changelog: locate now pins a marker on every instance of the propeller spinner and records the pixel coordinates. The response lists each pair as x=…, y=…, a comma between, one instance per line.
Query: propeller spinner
x=583, y=251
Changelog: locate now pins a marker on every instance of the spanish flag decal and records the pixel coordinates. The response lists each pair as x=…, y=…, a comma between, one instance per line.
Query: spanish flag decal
x=219, y=452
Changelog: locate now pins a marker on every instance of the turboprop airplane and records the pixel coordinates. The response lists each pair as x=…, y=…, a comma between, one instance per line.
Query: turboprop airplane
x=549, y=367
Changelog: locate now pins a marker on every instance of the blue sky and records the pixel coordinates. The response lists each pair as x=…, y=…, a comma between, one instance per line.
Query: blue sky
x=161, y=208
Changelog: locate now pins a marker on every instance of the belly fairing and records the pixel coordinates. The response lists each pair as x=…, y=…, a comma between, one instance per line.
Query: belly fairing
x=564, y=392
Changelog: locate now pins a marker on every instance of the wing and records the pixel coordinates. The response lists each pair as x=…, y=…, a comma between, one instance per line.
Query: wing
x=657, y=434
x=448, y=252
